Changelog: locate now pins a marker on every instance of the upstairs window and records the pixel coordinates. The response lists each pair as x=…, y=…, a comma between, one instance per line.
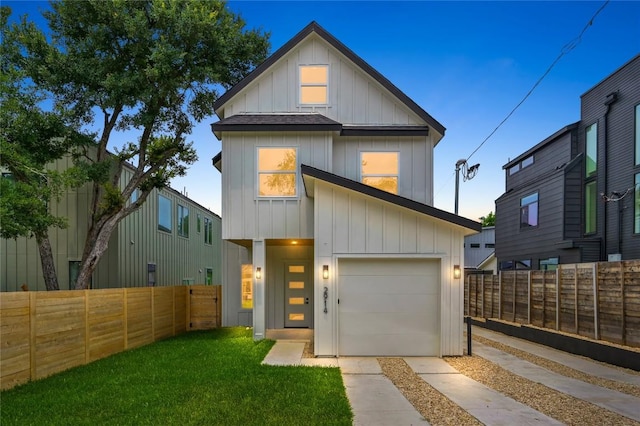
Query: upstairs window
x=277, y=172
x=313, y=84
x=529, y=211
x=380, y=170
x=208, y=231
x=183, y=221
x=591, y=150
x=164, y=213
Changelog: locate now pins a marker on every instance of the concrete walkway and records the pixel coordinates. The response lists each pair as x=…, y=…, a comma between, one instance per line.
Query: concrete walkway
x=376, y=401
x=612, y=400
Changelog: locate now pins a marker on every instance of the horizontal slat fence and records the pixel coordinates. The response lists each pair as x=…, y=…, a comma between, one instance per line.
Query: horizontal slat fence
x=595, y=300
x=42, y=333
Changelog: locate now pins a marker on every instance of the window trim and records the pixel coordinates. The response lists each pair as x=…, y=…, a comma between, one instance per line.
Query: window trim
x=522, y=206
x=293, y=172
x=301, y=85
x=381, y=175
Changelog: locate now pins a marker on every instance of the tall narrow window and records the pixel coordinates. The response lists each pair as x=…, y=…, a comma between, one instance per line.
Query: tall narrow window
x=591, y=149
x=198, y=222
x=380, y=170
x=529, y=211
x=314, y=81
x=208, y=231
x=638, y=135
x=209, y=277
x=590, y=207
x=246, y=294
x=636, y=215
x=164, y=213
x=183, y=221
x=277, y=172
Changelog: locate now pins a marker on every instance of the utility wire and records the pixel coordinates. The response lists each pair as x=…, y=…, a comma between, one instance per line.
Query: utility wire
x=565, y=49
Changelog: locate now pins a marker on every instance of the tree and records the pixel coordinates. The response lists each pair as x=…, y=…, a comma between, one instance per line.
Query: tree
x=488, y=220
x=152, y=67
x=30, y=139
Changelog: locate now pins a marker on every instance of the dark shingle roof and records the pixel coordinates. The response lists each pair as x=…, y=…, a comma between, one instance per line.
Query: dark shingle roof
x=276, y=123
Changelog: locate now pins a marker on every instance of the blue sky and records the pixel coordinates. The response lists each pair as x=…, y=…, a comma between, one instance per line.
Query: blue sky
x=468, y=64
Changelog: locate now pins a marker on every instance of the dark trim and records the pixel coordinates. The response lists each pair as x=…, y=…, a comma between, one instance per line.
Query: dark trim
x=388, y=197
x=313, y=27
x=574, y=345
x=216, y=161
x=276, y=127
x=541, y=145
x=385, y=131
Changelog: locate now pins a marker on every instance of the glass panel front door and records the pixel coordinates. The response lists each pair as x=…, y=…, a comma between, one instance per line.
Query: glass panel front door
x=297, y=306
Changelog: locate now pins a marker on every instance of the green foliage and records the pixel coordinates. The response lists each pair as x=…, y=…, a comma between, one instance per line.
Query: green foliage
x=207, y=378
x=488, y=220
x=146, y=66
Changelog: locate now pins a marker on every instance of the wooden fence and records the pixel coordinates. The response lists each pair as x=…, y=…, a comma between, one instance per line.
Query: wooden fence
x=595, y=300
x=42, y=333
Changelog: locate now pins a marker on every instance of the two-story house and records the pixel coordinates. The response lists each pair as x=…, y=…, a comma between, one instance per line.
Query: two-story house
x=327, y=184
x=575, y=196
x=169, y=240
x=479, y=250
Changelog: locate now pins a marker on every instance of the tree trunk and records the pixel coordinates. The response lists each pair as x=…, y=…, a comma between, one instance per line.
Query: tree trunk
x=94, y=249
x=48, y=265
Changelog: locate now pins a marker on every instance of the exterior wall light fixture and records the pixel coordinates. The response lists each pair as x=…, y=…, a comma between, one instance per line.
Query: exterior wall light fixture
x=258, y=273
x=325, y=271
x=456, y=271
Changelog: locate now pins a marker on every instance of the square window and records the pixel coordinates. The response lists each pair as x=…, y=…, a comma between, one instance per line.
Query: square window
x=380, y=170
x=277, y=175
x=313, y=84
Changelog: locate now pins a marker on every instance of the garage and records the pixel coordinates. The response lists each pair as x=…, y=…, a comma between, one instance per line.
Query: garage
x=389, y=307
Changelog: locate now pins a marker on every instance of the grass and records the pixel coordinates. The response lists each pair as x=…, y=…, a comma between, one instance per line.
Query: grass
x=198, y=378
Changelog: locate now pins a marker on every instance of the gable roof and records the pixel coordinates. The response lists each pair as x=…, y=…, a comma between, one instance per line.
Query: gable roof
x=312, y=172
x=313, y=27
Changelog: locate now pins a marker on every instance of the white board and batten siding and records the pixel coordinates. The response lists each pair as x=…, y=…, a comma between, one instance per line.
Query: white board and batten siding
x=354, y=97
x=250, y=217
x=351, y=226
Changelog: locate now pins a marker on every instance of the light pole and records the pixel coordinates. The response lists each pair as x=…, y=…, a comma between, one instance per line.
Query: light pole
x=467, y=174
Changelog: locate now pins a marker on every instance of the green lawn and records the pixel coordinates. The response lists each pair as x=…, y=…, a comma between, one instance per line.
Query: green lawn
x=204, y=378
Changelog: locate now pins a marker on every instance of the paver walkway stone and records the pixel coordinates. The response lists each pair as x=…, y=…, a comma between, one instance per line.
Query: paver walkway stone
x=485, y=404
x=573, y=361
x=609, y=399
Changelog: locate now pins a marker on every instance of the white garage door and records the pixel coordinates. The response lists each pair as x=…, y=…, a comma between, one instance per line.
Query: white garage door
x=389, y=307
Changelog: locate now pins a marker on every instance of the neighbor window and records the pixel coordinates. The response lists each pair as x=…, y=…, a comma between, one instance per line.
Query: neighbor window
x=208, y=231
x=591, y=149
x=489, y=245
x=527, y=161
x=638, y=135
x=198, y=222
x=550, y=264
x=277, y=172
x=246, y=294
x=523, y=264
x=636, y=215
x=380, y=170
x=134, y=196
x=209, y=277
x=313, y=84
x=164, y=213
x=475, y=245
x=590, y=206
x=183, y=221
x=529, y=211
x=506, y=265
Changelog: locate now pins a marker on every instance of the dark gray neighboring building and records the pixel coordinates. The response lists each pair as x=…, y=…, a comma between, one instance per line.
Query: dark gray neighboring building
x=575, y=196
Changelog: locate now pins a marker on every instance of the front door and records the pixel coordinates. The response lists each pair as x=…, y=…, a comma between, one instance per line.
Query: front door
x=297, y=293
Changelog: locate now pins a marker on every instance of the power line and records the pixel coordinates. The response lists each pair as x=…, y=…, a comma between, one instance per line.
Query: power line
x=565, y=49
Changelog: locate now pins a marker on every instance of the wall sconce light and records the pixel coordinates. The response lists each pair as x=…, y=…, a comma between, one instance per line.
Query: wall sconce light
x=258, y=273
x=456, y=271
x=325, y=271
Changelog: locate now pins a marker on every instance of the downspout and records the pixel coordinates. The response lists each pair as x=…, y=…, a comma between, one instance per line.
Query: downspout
x=611, y=99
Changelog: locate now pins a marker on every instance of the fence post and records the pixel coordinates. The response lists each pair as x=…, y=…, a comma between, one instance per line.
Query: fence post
x=544, y=299
x=529, y=298
x=33, y=303
x=500, y=295
x=558, y=273
x=622, y=310
x=596, y=322
x=482, y=289
x=513, y=304
x=575, y=296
